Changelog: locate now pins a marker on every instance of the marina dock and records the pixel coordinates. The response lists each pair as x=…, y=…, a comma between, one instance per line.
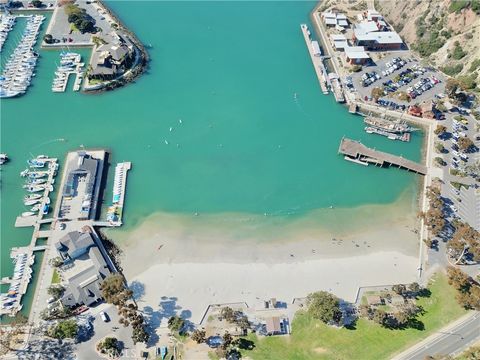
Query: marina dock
x=24, y=257
x=317, y=59
x=357, y=152
x=69, y=65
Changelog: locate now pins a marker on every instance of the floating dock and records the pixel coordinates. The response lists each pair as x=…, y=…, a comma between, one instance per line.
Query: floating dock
x=336, y=88
x=25, y=255
x=114, y=214
x=317, y=59
x=357, y=151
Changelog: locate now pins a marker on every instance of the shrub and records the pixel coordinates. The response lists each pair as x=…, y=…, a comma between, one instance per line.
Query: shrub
x=475, y=65
x=458, y=5
x=468, y=82
x=452, y=69
x=458, y=52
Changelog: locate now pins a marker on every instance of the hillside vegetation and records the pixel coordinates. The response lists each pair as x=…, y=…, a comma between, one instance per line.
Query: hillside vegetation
x=446, y=33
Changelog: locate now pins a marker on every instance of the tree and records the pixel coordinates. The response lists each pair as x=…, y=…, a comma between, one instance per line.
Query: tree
x=379, y=316
x=65, y=329
x=451, y=87
x=110, y=346
x=458, y=279
x=324, y=306
x=176, y=323
x=114, y=290
x=414, y=287
x=8, y=334
x=440, y=129
x=227, y=340
x=37, y=3
x=243, y=323
x=377, y=93
x=228, y=314
x=56, y=291
x=472, y=353
x=465, y=144
x=48, y=38
x=400, y=289
x=140, y=334
x=198, y=336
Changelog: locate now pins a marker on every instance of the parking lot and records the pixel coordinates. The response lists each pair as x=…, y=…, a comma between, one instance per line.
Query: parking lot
x=61, y=29
x=399, y=73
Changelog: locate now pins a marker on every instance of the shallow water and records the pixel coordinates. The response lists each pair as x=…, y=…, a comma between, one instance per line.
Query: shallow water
x=245, y=143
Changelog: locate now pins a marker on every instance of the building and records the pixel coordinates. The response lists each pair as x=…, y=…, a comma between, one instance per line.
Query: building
x=84, y=268
x=111, y=60
x=339, y=41
x=332, y=19
x=373, y=15
x=372, y=36
x=82, y=172
x=356, y=55
x=274, y=326
x=4, y=4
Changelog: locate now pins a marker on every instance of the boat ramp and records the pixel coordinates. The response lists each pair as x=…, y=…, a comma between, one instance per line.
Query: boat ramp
x=317, y=59
x=356, y=151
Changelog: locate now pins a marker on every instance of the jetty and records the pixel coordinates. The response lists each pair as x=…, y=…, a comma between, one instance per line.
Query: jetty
x=317, y=59
x=355, y=150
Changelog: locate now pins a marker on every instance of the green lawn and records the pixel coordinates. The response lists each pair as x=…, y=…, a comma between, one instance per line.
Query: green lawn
x=55, y=277
x=312, y=339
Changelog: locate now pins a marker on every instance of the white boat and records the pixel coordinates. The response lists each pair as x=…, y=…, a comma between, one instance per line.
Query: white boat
x=47, y=200
x=31, y=202
x=35, y=208
x=32, y=197
x=27, y=213
x=36, y=188
x=3, y=158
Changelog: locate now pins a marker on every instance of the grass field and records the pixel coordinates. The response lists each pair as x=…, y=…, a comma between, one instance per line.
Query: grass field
x=55, y=277
x=311, y=339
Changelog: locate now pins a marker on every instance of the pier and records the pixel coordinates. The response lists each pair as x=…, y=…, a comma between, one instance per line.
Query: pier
x=317, y=59
x=355, y=150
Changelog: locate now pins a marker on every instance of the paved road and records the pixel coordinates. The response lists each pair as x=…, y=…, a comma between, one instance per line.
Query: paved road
x=449, y=341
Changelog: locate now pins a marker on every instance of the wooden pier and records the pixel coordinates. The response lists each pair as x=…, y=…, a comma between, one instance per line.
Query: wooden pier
x=316, y=60
x=357, y=151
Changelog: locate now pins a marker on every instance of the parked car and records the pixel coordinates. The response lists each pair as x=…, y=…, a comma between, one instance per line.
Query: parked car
x=104, y=316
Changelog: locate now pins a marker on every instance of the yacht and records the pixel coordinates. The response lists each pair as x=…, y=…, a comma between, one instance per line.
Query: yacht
x=3, y=158
x=28, y=214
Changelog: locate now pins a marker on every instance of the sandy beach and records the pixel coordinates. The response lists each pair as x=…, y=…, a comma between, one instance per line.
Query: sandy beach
x=193, y=261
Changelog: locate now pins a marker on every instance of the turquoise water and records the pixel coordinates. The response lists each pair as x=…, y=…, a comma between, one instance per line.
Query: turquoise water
x=229, y=71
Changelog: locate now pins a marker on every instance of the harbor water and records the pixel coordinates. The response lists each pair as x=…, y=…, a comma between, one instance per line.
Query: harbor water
x=229, y=118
